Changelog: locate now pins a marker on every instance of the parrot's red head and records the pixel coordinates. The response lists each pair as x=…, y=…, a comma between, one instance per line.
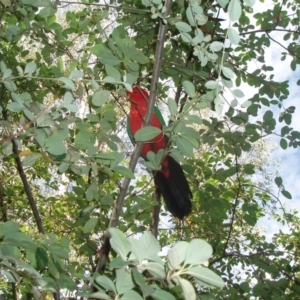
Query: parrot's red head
x=137, y=95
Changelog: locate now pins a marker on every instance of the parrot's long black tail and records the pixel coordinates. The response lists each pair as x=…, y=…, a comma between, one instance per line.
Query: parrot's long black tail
x=175, y=189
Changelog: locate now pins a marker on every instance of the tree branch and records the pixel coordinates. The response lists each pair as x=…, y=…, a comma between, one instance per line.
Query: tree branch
x=289, y=51
x=267, y=31
x=105, y=249
x=234, y=205
x=155, y=213
x=27, y=125
x=27, y=187
x=22, y=174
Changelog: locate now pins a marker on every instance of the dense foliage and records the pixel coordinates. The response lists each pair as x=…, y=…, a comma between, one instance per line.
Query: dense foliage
x=69, y=181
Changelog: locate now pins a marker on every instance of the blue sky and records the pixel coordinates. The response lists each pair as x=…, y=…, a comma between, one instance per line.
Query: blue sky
x=289, y=168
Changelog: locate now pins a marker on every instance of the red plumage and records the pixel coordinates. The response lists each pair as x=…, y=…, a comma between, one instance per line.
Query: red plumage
x=170, y=179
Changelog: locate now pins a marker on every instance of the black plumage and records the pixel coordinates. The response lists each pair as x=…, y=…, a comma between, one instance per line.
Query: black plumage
x=175, y=189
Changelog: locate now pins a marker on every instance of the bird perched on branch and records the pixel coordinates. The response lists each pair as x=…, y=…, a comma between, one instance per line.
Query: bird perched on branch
x=170, y=179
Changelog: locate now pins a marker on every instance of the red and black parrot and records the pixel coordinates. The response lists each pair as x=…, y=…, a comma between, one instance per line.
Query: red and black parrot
x=170, y=179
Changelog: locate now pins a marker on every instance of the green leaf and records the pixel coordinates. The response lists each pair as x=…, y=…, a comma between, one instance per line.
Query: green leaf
x=250, y=219
x=8, y=228
x=106, y=283
x=162, y=295
x=144, y=248
x=216, y=46
x=6, y=73
x=68, y=83
x=17, y=98
x=283, y=144
x=179, y=255
x=183, y=27
x=84, y=139
x=7, y=148
x=233, y=36
x=111, y=156
x=186, y=37
x=189, y=88
x=99, y=295
x=124, y=281
x=172, y=106
x=245, y=287
x=286, y=194
x=249, y=169
x=30, y=159
x=6, y=2
x=105, y=55
x=211, y=84
x=184, y=146
x=95, y=85
x=131, y=295
x=249, y=2
x=161, y=153
x=198, y=251
x=199, y=36
x=205, y=275
x=138, y=277
x=113, y=72
x=246, y=104
x=150, y=243
x=45, y=120
x=278, y=181
x=234, y=10
x=190, y=16
x=194, y=142
x=119, y=242
x=227, y=72
x=30, y=67
x=3, y=67
x=14, y=107
x=234, y=103
x=90, y=225
x=22, y=240
x=138, y=56
x=63, y=167
x=100, y=97
x=55, y=145
x=147, y=133
x=238, y=93
x=10, y=85
x=174, y=258
x=41, y=258
x=187, y=288
x=195, y=119
x=156, y=269
x=285, y=130
x=125, y=172
x=150, y=165
x=75, y=74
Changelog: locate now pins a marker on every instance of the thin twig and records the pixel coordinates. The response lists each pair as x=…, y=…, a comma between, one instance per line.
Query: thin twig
x=267, y=31
x=155, y=213
x=14, y=136
x=234, y=205
x=27, y=189
x=289, y=51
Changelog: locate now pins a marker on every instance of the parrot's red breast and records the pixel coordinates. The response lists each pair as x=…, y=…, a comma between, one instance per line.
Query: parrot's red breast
x=170, y=179
x=138, y=98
